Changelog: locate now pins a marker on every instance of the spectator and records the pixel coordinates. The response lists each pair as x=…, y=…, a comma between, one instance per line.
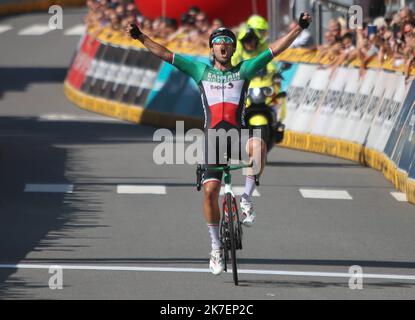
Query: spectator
x=394, y=36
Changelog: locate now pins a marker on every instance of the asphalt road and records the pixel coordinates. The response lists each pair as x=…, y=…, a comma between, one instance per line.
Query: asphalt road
x=156, y=246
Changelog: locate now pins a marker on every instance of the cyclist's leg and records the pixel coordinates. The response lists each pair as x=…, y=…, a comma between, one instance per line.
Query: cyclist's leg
x=211, y=187
x=256, y=150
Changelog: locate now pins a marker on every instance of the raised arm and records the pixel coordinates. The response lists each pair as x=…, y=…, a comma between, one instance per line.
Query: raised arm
x=155, y=48
x=285, y=42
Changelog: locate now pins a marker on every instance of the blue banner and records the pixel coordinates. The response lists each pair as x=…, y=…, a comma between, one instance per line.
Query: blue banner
x=393, y=144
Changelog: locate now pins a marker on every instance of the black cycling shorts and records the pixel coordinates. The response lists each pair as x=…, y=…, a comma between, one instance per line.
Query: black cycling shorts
x=221, y=148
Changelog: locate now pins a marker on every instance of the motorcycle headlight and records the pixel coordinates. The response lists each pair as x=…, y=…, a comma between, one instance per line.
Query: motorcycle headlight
x=268, y=91
x=256, y=95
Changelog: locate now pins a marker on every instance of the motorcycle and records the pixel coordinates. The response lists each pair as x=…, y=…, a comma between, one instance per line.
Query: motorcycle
x=262, y=95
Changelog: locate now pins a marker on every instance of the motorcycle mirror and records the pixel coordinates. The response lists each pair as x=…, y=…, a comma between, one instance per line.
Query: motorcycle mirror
x=282, y=94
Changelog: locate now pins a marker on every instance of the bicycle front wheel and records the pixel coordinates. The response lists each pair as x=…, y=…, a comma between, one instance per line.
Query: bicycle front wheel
x=232, y=235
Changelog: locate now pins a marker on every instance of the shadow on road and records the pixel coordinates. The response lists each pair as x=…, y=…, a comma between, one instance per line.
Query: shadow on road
x=33, y=151
x=342, y=283
x=292, y=164
x=19, y=78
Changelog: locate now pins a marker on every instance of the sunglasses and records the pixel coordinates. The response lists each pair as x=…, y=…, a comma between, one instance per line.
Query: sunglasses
x=222, y=39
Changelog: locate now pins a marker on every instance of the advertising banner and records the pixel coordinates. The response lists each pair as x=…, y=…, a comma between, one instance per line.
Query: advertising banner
x=393, y=142
x=325, y=112
x=359, y=106
x=405, y=156
x=83, y=61
x=337, y=125
x=297, y=90
x=312, y=99
x=89, y=83
x=362, y=128
x=378, y=128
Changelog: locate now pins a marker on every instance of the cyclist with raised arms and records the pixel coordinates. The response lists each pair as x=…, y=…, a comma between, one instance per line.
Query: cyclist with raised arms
x=223, y=90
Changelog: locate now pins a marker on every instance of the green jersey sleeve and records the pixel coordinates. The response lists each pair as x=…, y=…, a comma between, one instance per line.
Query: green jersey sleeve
x=250, y=67
x=192, y=68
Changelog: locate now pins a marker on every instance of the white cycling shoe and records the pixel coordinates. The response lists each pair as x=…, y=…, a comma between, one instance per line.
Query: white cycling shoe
x=248, y=214
x=216, y=264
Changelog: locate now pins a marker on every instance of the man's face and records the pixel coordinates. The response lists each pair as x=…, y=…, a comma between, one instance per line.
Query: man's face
x=347, y=43
x=250, y=45
x=223, y=51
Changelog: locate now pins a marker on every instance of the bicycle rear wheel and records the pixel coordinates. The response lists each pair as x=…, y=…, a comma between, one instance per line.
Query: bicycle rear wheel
x=232, y=235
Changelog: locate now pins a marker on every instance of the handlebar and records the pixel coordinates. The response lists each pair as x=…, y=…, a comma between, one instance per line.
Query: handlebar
x=200, y=169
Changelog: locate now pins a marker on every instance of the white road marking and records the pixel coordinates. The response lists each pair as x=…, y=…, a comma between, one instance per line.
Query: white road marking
x=205, y=270
x=75, y=31
x=76, y=118
x=35, y=30
x=141, y=189
x=52, y=188
x=4, y=28
x=325, y=194
x=400, y=196
x=238, y=191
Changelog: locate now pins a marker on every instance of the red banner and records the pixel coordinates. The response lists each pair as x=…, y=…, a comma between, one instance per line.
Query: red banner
x=231, y=12
x=82, y=61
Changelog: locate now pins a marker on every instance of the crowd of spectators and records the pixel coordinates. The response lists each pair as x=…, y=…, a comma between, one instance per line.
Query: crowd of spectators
x=193, y=29
x=384, y=38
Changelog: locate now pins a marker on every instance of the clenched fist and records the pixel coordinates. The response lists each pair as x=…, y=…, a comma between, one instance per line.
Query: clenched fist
x=134, y=31
x=305, y=20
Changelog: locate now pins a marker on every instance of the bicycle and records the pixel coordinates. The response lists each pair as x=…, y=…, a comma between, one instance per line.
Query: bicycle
x=230, y=225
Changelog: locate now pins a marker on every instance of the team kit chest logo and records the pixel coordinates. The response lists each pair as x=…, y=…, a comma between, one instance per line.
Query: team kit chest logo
x=223, y=93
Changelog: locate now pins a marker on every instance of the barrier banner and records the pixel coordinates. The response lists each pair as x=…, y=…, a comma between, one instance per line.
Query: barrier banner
x=135, y=60
x=356, y=113
x=82, y=61
x=102, y=69
x=120, y=84
x=393, y=143
x=393, y=112
x=392, y=100
x=288, y=71
x=325, y=113
x=336, y=127
x=361, y=132
x=297, y=90
x=407, y=154
x=116, y=58
x=89, y=83
x=175, y=92
x=312, y=99
x=149, y=78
